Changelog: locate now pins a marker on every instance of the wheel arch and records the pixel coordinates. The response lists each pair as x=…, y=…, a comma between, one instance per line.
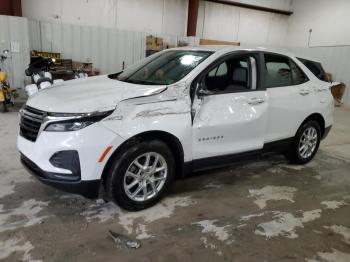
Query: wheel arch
x=170, y=140
x=317, y=117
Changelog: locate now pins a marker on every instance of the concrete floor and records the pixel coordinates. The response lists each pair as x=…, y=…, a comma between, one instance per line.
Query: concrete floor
x=262, y=211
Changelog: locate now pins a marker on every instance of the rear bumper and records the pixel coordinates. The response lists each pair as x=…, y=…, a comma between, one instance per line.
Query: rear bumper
x=89, y=188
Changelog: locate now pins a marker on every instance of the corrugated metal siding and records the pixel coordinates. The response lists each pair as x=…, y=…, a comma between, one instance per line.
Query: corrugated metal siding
x=335, y=60
x=106, y=48
x=15, y=29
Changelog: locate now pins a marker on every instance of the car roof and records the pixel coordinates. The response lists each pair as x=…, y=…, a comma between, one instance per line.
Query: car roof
x=228, y=48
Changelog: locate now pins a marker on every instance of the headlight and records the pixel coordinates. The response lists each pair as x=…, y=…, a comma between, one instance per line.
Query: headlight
x=67, y=126
x=70, y=122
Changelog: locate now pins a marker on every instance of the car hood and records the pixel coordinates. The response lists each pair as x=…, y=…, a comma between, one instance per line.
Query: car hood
x=87, y=95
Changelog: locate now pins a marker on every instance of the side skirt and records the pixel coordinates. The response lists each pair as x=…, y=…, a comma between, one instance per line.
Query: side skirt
x=227, y=160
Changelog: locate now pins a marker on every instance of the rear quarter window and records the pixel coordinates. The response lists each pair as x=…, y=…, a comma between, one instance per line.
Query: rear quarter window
x=316, y=68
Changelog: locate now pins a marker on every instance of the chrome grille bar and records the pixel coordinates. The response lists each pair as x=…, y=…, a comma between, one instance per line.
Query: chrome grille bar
x=31, y=120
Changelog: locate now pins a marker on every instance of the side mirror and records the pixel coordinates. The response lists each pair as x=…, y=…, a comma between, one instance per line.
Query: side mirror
x=204, y=92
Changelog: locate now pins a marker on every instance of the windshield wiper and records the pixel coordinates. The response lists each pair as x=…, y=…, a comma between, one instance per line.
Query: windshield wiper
x=142, y=82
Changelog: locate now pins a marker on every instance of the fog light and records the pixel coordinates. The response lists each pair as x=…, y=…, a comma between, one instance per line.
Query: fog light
x=68, y=160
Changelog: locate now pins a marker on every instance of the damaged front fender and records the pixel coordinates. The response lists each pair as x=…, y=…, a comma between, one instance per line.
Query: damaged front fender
x=167, y=111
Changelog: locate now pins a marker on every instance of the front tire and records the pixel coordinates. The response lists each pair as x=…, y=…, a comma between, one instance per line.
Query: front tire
x=140, y=174
x=305, y=143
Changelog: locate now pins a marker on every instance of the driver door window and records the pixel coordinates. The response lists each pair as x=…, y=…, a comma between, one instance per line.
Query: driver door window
x=232, y=75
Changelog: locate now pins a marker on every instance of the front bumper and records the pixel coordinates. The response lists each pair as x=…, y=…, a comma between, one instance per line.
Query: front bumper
x=89, y=189
x=89, y=143
x=43, y=160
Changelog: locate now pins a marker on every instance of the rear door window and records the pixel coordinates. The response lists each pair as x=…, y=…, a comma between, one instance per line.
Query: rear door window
x=278, y=72
x=316, y=68
x=282, y=71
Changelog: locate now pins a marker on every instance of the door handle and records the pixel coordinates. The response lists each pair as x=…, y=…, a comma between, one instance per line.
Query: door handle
x=304, y=92
x=255, y=101
x=321, y=89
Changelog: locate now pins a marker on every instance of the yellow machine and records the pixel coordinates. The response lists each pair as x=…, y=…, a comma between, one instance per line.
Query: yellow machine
x=6, y=93
x=3, y=78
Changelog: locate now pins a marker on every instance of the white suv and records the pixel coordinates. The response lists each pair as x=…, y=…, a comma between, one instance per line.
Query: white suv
x=178, y=111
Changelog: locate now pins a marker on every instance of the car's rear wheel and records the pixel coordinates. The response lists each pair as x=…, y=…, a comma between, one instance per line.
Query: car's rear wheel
x=305, y=143
x=140, y=175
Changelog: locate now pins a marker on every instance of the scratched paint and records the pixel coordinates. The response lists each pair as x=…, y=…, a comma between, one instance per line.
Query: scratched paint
x=160, y=112
x=272, y=193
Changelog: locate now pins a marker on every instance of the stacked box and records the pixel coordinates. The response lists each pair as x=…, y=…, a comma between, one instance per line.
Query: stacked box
x=35, y=53
x=154, y=43
x=182, y=43
x=86, y=67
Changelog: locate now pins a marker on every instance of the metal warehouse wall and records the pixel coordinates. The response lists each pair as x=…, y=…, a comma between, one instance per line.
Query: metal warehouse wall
x=232, y=23
x=153, y=16
x=106, y=48
x=14, y=37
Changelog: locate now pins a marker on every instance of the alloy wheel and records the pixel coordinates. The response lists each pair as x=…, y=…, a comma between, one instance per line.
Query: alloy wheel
x=145, y=177
x=308, y=142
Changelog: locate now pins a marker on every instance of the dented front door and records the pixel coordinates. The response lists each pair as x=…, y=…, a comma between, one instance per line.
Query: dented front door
x=229, y=123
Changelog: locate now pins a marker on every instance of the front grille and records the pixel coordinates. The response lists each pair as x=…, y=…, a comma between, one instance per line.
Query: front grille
x=31, y=120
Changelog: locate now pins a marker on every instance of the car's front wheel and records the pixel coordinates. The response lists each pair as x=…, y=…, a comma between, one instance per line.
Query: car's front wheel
x=305, y=143
x=140, y=174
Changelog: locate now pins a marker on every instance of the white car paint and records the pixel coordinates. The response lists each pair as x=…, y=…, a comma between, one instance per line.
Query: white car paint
x=222, y=124
x=87, y=95
x=238, y=125
x=289, y=106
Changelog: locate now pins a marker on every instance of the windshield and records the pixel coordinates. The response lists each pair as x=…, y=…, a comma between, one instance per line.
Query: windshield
x=164, y=68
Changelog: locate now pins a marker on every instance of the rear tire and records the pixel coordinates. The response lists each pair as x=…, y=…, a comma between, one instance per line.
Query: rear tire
x=135, y=184
x=305, y=143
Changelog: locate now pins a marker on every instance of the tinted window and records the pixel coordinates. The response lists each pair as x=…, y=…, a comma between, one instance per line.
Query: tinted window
x=316, y=68
x=163, y=69
x=229, y=76
x=278, y=71
x=298, y=76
